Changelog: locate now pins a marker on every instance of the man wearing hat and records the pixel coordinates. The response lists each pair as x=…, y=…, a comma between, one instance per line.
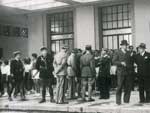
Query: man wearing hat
x=60, y=67
x=88, y=72
x=44, y=65
x=124, y=62
x=143, y=65
x=17, y=69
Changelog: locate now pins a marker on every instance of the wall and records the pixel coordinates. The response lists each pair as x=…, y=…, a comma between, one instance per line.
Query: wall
x=84, y=27
x=11, y=44
x=142, y=22
x=37, y=32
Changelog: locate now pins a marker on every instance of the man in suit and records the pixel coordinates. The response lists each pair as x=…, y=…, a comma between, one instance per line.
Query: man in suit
x=60, y=67
x=88, y=72
x=124, y=62
x=143, y=65
x=16, y=70
x=44, y=65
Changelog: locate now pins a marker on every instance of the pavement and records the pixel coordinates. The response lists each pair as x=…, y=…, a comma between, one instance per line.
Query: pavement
x=74, y=106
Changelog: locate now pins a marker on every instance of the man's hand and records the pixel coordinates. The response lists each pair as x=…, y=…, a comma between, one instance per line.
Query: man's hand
x=123, y=64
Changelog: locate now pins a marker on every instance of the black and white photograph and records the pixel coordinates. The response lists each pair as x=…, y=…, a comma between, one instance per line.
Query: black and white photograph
x=74, y=56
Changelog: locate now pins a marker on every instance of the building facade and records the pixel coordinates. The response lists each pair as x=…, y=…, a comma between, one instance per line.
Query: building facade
x=102, y=25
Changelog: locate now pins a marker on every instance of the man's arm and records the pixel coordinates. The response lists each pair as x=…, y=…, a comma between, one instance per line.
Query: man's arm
x=64, y=61
x=73, y=63
x=37, y=66
x=92, y=65
x=12, y=67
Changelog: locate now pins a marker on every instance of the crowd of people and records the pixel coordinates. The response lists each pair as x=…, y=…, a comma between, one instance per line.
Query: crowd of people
x=76, y=74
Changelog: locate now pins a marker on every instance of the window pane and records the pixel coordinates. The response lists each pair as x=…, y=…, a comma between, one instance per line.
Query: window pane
x=110, y=42
x=120, y=16
x=53, y=46
x=105, y=18
x=120, y=8
x=105, y=42
x=104, y=25
x=109, y=10
x=114, y=16
x=120, y=24
x=125, y=23
x=125, y=15
x=109, y=25
x=115, y=24
x=115, y=42
x=114, y=9
x=109, y=17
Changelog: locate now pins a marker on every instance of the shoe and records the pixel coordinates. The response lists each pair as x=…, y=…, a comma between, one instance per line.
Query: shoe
x=42, y=101
x=82, y=100
x=23, y=99
x=10, y=99
x=118, y=104
x=62, y=103
x=52, y=100
x=90, y=100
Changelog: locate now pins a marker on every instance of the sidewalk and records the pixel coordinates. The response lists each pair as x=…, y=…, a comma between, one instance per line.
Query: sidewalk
x=98, y=106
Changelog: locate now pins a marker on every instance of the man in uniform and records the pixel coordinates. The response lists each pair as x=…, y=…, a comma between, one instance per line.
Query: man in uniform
x=71, y=71
x=16, y=70
x=123, y=59
x=45, y=66
x=60, y=67
x=143, y=65
x=88, y=73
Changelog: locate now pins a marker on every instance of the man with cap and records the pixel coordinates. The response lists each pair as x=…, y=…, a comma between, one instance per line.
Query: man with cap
x=143, y=65
x=88, y=72
x=71, y=74
x=44, y=65
x=16, y=70
x=124, y=62
x=60, y=67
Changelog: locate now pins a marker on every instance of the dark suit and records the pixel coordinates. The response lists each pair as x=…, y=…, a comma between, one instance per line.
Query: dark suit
x=143, y=64
x=17, y=69
x=45, y=66
x=124, y=74
x=104, y=77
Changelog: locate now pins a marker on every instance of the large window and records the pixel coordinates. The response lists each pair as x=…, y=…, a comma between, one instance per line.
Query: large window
x=61, y=30
x=116, y=25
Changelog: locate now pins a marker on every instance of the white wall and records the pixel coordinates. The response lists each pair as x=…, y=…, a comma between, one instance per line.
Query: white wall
x=142, y=22
x=11, y=44
x=36, y=36
x=84, y=27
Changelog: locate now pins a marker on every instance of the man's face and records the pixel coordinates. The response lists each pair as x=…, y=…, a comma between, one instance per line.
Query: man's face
x=131, y=49
x=124, y=47
x=18, y=56
x=141, y=50
x=44, y=53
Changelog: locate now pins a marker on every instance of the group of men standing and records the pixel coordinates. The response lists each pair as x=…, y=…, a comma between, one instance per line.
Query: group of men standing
x=125, y=62
x=79, y=69
x=64, y=66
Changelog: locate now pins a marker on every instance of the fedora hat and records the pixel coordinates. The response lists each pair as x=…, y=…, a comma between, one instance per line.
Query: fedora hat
x=124, y=42
x=142, y=45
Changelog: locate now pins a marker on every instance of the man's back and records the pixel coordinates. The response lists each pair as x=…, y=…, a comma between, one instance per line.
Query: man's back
x=87, y=65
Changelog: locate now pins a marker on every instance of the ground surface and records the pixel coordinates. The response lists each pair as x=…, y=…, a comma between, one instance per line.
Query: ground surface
x=98, y=106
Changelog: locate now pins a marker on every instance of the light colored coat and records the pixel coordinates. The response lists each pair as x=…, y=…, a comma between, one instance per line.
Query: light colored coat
x=60, y=64
x=71, y=70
